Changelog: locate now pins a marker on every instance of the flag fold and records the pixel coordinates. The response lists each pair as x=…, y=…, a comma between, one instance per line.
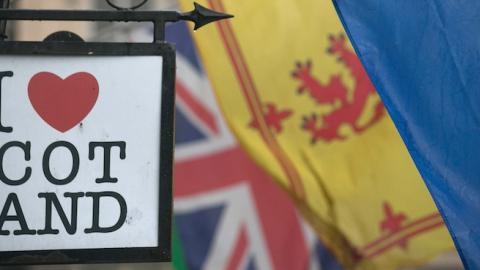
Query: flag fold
x=424, y=59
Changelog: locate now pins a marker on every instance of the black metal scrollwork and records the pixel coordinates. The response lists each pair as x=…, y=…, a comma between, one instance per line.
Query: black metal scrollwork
x=110, y=3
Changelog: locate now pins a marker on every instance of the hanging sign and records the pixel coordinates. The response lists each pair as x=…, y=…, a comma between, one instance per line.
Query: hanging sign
x=86, y=147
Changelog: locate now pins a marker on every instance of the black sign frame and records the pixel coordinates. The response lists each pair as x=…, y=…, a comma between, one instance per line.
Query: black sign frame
x=161, y=253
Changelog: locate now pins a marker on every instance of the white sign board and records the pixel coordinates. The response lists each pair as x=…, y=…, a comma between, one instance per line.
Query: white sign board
x=80, y=155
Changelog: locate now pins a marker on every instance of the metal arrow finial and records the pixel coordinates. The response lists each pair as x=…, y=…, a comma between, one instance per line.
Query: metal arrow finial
x=202, y=16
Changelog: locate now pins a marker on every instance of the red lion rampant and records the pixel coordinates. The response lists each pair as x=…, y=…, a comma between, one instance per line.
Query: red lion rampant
x=327, y=126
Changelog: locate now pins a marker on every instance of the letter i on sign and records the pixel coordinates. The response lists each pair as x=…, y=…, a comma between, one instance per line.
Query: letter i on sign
x=4, y=74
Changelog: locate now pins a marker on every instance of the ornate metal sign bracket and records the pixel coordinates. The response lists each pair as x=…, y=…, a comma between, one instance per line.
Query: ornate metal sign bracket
x=200, y=16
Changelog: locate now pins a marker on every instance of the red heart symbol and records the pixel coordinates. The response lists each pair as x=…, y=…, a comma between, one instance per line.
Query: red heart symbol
x=63, y=103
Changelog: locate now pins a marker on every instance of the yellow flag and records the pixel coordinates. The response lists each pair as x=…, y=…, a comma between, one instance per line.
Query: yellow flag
x=297, y=97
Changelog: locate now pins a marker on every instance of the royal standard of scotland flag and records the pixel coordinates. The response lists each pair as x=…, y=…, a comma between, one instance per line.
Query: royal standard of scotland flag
x=424, y=58
x=300, y=103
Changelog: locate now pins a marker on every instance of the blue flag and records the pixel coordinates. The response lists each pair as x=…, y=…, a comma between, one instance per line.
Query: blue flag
x=423, y=57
